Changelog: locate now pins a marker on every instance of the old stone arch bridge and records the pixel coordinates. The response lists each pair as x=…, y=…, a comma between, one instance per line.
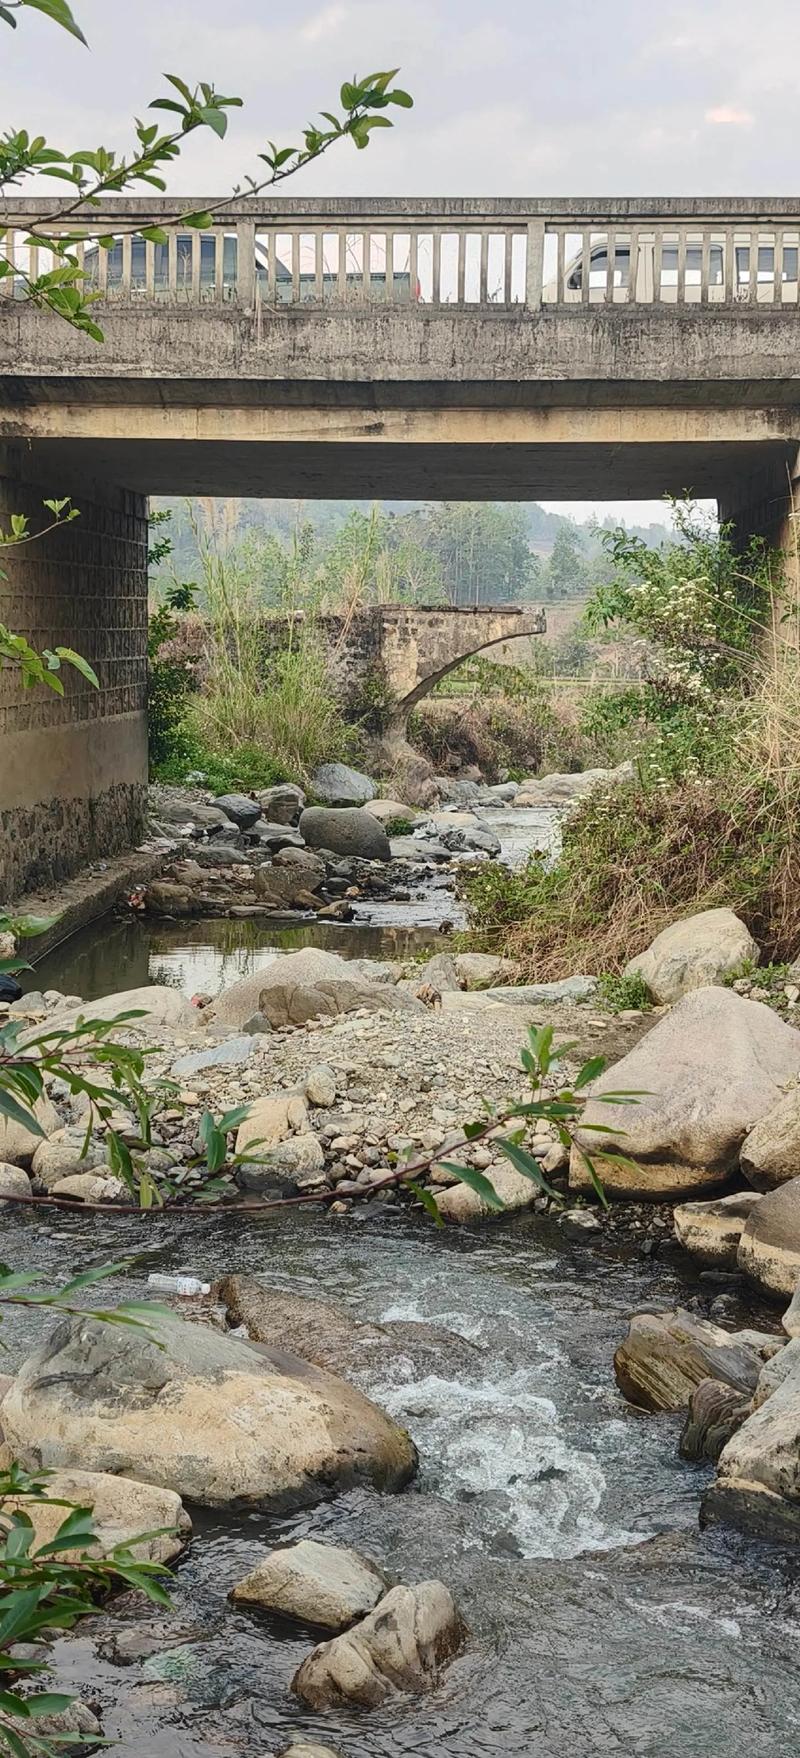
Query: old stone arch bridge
x=405, y=650
x=473, y=349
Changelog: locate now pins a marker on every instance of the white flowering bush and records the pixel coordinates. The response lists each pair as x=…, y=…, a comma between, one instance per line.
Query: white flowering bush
x=700, y=607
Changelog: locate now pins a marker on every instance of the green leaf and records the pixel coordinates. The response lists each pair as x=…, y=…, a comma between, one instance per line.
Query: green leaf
x=10, y=1107
x=155, y=235
x=48, y=1703
x=427, y=1198
x=398, y=96
x=18, y=1610
x=590, y=1071
x=79, y=664
x=525, y=1163
x=476, y=1181
x=59, y=11
x=214, y=119
x=202, y=221
x=231, y=1119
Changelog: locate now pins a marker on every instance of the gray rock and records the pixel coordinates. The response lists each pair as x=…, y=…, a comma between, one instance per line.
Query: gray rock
x=300, y=986
x=220, y=1421
x=320, y=1085
x=18, y=1143
x=485, y=970
x=762, y=1460
x=240, y=809
x=705, y=1073
x=791, y=1317
x=283, y=803
x=438, y=973
x=578, y=988
x=771, y=1152
x=275, y=837
x=325, y=1584
x=218, y=854
x=346, y=831
x=401, y=1646
x=13, y=1181
x=665, y=1355
x=334, y=784
x=715, y=1413
x=411, y=848
x=308, y=1749
x=769, y=1249
x=156, y=1005
x=230, y=1053
x=302, y=860
x=694, y=952
x=711, y=1231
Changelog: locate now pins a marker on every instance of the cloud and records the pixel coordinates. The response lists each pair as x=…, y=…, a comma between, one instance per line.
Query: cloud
x=324, y=24
x=727, y=116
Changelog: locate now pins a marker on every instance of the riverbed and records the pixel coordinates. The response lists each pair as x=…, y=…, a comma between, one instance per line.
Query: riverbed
x=565, y=1523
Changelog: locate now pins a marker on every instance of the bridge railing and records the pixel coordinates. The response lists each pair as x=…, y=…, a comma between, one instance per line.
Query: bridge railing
x=432, y=255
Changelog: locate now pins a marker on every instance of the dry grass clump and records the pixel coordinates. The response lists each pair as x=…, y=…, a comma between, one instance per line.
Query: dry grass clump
x=635, y=859
x=509, y=733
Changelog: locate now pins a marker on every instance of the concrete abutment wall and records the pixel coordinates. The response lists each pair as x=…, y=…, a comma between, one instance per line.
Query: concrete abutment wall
x=73, y=769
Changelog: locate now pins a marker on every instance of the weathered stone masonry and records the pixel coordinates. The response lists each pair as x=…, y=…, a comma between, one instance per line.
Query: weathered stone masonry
x=72, y=778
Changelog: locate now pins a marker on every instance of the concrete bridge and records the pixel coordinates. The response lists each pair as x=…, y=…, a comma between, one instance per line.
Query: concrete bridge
x=462, y=349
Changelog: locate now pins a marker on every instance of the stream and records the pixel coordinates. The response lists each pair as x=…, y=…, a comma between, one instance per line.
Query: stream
x=602, y=1621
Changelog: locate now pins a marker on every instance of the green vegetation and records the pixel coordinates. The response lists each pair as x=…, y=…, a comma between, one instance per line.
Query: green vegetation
x=502, y=718
x=713, y=816
x=618, y=993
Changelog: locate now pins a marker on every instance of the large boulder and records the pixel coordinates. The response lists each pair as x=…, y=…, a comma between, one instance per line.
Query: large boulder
x=218, y=1420
x=327, y=1335
x=156, y=1004
x=759, y=1470
x=62, y=1156
x=345, y=831
x=694, y=952
x=122, y=1509
x=18, y=1143
x=771, y=1152
x=335, y=784
x=711, y=1231
x=388, y=810
x=242, y=811
x=665, y=1355
x=769, y=1249
x=400, y=1646
x=325, y=1584
x=282, y=887
x=569, y=789
x=715, y=1413
x=704, y=1076
x=486, y=970
x=300, y=986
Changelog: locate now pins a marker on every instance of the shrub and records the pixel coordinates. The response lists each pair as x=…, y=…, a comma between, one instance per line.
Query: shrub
x=620, y=992
x=634, y=858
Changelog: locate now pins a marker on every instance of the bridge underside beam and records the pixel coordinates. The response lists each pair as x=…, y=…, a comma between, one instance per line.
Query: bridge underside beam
x=594, y=468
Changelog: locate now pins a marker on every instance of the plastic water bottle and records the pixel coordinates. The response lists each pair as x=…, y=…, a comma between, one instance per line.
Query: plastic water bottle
x=186, y=1285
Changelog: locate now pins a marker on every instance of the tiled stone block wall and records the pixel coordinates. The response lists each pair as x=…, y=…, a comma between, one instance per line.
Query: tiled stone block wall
x=73, y=769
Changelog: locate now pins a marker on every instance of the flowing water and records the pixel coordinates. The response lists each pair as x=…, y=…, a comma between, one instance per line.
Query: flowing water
x=602, y=1621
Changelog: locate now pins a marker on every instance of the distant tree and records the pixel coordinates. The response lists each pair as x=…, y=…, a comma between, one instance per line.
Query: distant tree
x=482, y=548
x=568, y=574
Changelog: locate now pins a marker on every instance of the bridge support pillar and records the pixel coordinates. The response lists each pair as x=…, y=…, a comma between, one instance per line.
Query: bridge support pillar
x=73, y=769
x=769, y=506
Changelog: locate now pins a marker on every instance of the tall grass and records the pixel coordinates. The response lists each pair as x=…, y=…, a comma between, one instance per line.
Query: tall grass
x=254, y=700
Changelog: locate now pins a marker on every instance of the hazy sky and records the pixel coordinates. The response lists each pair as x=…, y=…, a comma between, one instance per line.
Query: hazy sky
x=624, y=97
